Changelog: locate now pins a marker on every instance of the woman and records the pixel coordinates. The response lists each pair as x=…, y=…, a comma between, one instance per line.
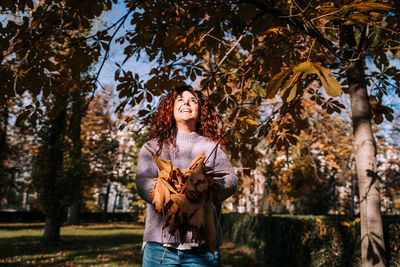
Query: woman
x=183, y=125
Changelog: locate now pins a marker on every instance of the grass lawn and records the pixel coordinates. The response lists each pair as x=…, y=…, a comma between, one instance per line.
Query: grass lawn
x=111, y=244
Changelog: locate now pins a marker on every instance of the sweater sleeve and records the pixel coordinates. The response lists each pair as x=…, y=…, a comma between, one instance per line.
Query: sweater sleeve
x=146, y=169
x=228, y=183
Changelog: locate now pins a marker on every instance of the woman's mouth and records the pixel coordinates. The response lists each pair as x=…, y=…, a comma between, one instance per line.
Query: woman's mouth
x=186, y=110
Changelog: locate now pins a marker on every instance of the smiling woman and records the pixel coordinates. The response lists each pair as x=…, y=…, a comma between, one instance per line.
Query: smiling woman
x=183, y=126
x=186, y=112
x=165, y=122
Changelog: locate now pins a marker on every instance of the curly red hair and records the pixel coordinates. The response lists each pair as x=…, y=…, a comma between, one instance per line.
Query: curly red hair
x=163, y=126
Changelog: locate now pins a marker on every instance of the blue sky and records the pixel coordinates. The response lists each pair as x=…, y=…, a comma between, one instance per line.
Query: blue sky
x=116, y=51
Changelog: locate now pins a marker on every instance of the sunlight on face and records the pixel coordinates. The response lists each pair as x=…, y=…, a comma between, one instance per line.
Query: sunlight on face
x=186, y=111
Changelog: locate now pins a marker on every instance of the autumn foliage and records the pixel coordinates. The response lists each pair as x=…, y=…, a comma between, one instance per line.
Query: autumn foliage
x=185, y=199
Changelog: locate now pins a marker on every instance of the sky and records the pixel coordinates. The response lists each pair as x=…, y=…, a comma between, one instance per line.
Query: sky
x=116, y=51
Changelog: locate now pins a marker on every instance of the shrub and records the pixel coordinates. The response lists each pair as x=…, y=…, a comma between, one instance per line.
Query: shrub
x=283, y=240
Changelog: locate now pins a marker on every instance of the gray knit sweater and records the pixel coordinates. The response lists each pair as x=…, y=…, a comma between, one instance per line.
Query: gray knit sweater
x=189, y=145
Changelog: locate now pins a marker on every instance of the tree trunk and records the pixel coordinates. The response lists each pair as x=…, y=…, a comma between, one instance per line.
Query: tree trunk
x=51, y=234
x=73, y=214
x=77, y=173
x=3, y=151
x=117, y=195
x=372, y=243
x=3, y=133
x=106, y=203
x=52, y=187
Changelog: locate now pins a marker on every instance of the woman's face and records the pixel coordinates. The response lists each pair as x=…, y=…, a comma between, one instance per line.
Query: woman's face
x=186, y=111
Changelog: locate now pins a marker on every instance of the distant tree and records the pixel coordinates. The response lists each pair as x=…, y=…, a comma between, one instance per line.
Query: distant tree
x=17, y=149
x=311, y=170
x=107, y=153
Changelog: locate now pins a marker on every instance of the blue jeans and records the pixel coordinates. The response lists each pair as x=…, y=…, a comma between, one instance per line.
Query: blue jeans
x=173, y=257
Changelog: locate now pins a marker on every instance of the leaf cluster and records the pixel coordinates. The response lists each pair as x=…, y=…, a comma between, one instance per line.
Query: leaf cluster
x=185, y=198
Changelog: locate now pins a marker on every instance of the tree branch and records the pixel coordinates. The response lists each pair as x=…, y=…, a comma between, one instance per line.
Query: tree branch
x=308, y=27
x=108, y=51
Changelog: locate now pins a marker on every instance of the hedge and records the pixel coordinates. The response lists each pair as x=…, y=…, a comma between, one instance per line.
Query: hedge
x=280, y=240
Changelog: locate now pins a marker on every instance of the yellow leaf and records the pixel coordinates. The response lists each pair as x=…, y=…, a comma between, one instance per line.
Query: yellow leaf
x=360, y=18
x=161, y=164
x=392, y=48
x=288, y=96
x=292, y=93
x=251, y=122
x=190, y=30
x=331, y=85
x=198, y=43
x=345, y=224
x=276, y=82
x=349, y=22
x=276, y=30
x=366, y=6
x=306, y=67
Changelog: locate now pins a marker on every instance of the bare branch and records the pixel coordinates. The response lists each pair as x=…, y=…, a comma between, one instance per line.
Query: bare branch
x=108, y=50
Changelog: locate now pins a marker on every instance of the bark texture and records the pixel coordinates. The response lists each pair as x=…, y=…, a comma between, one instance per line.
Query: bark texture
x=76, y=173
x=372, y=243
x=51, y=234
x=52, y=187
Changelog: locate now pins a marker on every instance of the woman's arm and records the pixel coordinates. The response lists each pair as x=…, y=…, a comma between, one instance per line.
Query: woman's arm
x=222, y=164
x=146, y=169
